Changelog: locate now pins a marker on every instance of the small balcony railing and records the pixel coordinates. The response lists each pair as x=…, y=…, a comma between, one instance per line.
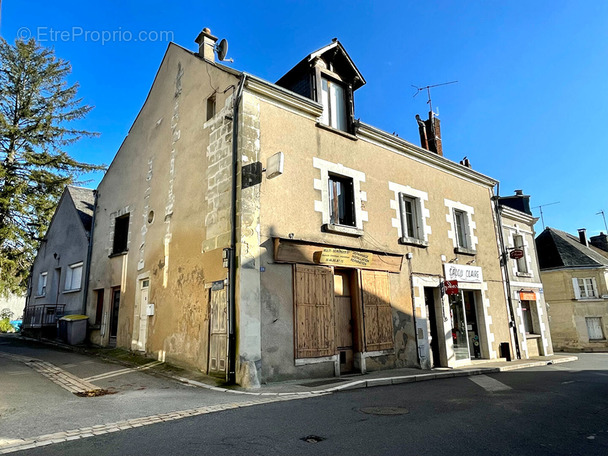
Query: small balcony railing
x=43, y=315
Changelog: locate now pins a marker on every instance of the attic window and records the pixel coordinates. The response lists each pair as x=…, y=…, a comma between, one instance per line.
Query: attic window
x=333, y=99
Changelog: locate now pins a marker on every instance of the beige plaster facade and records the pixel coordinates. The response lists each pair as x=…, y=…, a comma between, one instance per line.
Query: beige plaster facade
x=160, y=274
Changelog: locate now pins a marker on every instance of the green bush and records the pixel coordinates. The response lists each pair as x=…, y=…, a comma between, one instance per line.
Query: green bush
x=5, y=326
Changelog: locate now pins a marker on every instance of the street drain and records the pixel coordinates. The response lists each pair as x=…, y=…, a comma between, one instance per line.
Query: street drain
x=312, y=439
x=385, y=410
x=94, y=393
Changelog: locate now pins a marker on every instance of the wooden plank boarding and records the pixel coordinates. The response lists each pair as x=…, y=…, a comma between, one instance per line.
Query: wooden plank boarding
x=377, y=311
x=287, y=251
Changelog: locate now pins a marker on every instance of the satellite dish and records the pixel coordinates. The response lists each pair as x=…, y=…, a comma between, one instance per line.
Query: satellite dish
x=222, y=49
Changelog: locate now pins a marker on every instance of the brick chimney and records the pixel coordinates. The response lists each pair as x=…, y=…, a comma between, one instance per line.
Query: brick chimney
x=206, y=44
x=430, y=133
x=582, y=235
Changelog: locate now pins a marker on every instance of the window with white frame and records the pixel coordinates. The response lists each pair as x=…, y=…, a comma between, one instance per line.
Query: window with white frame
x=341, y=201
x=333, y=99
x=73, y=277
x=410, y=217
x=522, y=263
x=462, y=227
x=585, y=288
x=42, y=284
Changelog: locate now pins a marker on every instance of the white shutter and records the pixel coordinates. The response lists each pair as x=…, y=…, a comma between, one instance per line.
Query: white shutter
x=577, y=291
x=594, y=328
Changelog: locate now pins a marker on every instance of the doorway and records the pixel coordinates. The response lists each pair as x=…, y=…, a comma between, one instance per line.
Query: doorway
x=143, y=314
x=114, y=315
x=465, y=333
x=433, y=331
x=343, y=302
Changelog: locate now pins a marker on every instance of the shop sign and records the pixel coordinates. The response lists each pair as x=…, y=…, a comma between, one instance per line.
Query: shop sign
x=527, y=296
x=343, y=257
x=516, y=254
x=462, y=273
x=451, y=287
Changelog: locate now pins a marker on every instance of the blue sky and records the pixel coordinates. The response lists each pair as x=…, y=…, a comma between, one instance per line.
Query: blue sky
x=530, y=107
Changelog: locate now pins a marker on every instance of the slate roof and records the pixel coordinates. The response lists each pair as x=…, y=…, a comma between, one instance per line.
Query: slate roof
x=84, y=201
x=557, y=249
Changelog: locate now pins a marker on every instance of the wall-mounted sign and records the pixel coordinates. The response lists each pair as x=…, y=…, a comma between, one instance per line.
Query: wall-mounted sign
x=462, y=273
x=343, y=257
x=451, y=287
x=516, y=254
x=527, y=296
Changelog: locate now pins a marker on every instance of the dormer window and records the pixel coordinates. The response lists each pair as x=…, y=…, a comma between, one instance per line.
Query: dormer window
x=333, y=99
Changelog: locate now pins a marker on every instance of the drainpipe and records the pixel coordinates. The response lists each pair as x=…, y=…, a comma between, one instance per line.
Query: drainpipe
x=89, y=253
x=505, y=272
x=233, y=219
x=408, y=256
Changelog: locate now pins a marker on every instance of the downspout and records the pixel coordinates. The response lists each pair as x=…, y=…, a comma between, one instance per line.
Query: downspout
x=505, y=272
x=87, y=272
x=408, y=256
x=233, y=219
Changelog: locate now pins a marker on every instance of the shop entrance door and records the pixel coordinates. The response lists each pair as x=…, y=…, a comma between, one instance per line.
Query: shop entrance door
x=429, y=300
x=465, y=335
x=344, y=319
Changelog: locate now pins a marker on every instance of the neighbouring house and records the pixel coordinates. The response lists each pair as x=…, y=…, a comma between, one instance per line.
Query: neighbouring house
x=575, y=280
x=57, y=284
x=522, y=277
x=260, y=232
x=14, y=303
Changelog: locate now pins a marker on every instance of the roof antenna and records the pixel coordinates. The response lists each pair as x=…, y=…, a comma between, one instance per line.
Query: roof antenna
x=428, y=91
x=540, y=208
x=604, y=217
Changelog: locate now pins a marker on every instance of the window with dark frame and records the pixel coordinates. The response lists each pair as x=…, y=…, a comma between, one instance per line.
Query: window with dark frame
x=334, y=101
x=526, y=312
x=341, y=200
x=99, y=309
x=121, y=234
x=460, y=220
x=210, y=106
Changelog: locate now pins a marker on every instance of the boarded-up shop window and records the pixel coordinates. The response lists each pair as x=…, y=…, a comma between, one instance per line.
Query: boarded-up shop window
x=378, y=316
x=314, y=312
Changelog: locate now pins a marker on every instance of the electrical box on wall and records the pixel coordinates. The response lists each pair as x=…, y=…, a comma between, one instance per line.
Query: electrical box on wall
x=150, y=310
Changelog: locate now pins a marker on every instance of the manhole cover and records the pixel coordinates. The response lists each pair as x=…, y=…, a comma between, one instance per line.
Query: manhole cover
x=385, y=410
x=312, y=439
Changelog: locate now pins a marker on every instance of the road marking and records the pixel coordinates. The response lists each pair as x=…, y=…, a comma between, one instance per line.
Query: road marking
x=12, y=445
x=122, y=371
x=560, y=367
x=489, y=384
x=58, y=376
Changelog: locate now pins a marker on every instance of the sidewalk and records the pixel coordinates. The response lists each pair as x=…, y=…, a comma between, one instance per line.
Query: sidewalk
x=317, y=386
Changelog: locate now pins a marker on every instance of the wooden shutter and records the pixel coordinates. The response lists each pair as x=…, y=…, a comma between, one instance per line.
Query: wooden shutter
x=314, y=312
x=377, y=312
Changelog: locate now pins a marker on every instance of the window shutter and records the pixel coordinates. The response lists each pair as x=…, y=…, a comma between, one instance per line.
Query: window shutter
x=378, y=315
x=577, y=291
x=314, y=312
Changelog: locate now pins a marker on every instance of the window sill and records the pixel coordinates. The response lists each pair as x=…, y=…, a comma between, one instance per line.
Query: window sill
x=342, y=229
x=75, y=290
x=465, y=251
x=532, y=336
x=524, y=274
x=413, y=241
x=591, y=341
x=340, y=132
x=39, y=296
x=117, y=254
x=589, y=299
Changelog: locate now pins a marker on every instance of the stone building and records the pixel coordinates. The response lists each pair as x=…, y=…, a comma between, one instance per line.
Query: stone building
x=261, y=232
x=532, y=336
x=575, y=279
x=57, y=284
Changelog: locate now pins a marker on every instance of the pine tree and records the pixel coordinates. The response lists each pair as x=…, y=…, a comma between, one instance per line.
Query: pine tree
x=36, y=108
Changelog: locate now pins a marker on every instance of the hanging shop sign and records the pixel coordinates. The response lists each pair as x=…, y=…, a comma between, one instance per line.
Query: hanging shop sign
x=527, y=296
x=451, y=287
x=343, y=257
x=516, y=254
x=462, y=273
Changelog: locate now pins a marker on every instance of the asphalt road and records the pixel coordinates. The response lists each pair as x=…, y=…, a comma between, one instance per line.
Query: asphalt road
x=553, y=410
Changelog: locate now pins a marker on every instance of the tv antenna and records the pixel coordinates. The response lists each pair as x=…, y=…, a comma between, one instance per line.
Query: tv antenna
x=604, y=217
x=428, y=91
x=221, y=49
x=540, y=208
